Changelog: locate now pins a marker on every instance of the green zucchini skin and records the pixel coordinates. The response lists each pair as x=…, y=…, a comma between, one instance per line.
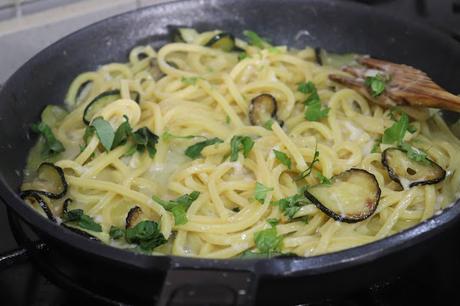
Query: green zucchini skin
x=80, y=232
x=51, y=195
x=104, y=99
x=100, y=100
x=224, y=41
x=395, y=177
x=342, y=218
x=33, y=194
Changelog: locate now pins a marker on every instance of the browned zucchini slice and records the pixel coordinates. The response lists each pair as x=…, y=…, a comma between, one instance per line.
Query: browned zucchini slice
x=351, y=197
x=65, y=205
x=409, y=173
x=134, y=217
x=262, y=109
x=51, y=181
x=32, y=196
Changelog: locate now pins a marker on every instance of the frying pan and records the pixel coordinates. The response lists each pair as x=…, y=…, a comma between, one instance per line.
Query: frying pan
x=334, y=25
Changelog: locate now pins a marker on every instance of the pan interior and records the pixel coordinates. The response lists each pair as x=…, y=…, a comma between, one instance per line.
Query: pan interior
x=327, y=24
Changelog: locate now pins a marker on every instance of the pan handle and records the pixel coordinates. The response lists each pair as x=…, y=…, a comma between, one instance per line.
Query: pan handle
x=11, y=258
x=208, y=287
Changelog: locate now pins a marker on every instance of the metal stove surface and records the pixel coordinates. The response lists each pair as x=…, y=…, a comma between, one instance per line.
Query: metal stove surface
x=432, y=280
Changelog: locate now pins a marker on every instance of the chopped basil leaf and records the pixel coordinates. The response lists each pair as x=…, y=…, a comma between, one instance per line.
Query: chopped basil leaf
x=274, y=50
x=227, y=119
x=315, y=111
x=244, y=143
x=104, y=132
x=189, y=80
x=307, y=88
x=52, y=145
x=116, y=232
x=179, y=206
x=305, y=219
x=267, y=241
x=268, y=124
x=376, y=84
x=122, y=133
x=291, y=205
x=82, y=220
x=242, y=56
x=236, y=209
x=307, y=171
x=415, y=154
x=73, y=215
x=273, y=221
x=411, y=129
x=130, y=151
x=255, y=40
x=261, y=192
x=146, y=234
x=283, y=158
x=145, y=140
x=89, y=132
x=376, y=146
x=396, y=132
x=322, y=179
x=194, y=151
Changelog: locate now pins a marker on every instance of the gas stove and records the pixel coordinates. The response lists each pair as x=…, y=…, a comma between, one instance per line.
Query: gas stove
x=433, y=279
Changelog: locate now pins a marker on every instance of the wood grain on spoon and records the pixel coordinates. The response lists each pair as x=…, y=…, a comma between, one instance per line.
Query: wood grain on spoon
x=407, y=86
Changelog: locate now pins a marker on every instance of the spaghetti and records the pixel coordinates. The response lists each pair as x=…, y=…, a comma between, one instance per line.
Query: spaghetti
x=189, y=93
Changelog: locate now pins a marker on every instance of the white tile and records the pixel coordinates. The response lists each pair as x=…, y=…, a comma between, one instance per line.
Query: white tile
x=66, y=12
x=30, y=35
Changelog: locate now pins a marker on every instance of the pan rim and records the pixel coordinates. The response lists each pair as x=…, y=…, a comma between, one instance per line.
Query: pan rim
x=270, y=267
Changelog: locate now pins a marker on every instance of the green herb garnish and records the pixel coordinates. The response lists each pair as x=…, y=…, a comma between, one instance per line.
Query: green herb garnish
x=376, y=84
x=122, y=134
x=104, y=132
x=179, y=206
x=273, y=221
x=315, y=111
x=415, y=154
x=82, y=220
x=268, y=241
x=116, y=232
x=261, y=192
x=376, y=146
x=146, y=234
x=145, y=140
x=189, y=80
x=395, y=133
x=255, y=40
x=238, y=143
x=194, y=151
x=52, y=145
x=283, y=158
x=242, y=56
x=268, y=124
x=291, y=205
x=322, y=179
x=308, y=171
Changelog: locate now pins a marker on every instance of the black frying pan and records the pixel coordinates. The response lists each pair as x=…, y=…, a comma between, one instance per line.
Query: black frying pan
x=333, y=25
